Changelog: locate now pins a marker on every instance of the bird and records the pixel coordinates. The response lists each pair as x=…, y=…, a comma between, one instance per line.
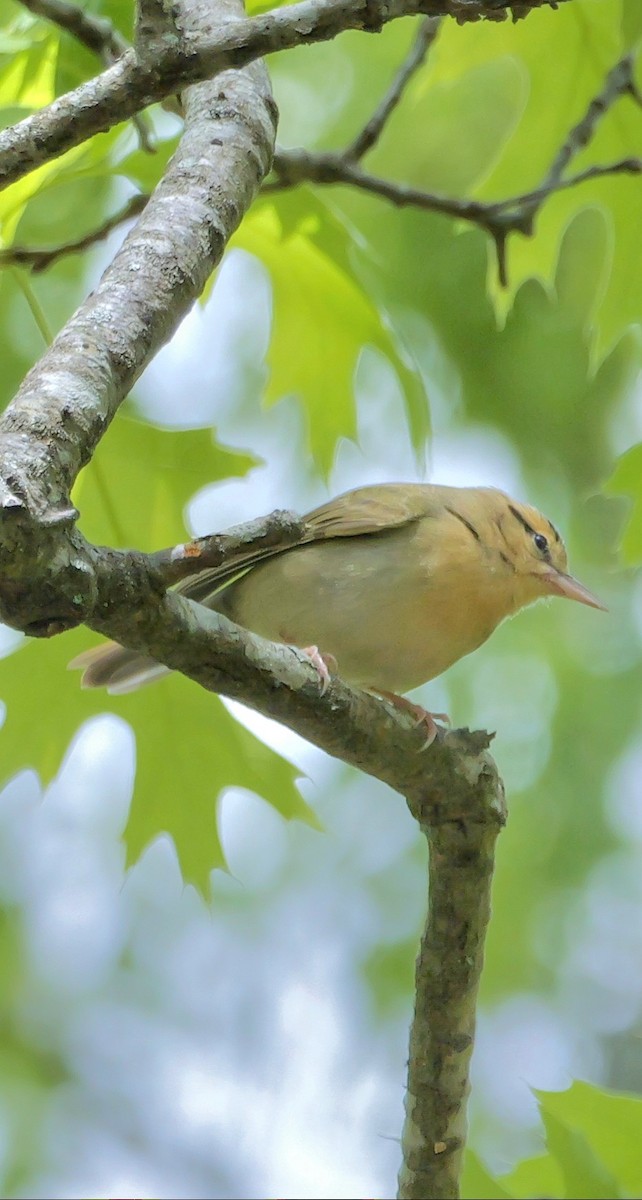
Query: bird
x=391, y=584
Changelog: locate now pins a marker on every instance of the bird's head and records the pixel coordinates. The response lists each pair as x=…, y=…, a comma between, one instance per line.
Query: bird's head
x=535, y=550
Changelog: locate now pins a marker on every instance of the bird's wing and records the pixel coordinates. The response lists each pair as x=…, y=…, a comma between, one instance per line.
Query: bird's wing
x=370, y=510
x=366, y=510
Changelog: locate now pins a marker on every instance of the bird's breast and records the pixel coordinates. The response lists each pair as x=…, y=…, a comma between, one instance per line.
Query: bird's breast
x=389, y=608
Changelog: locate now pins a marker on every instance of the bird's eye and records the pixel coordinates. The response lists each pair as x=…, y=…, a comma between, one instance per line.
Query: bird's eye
x=541, y=542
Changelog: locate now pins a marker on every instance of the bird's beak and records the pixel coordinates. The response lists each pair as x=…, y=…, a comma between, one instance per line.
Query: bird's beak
x=560, y=584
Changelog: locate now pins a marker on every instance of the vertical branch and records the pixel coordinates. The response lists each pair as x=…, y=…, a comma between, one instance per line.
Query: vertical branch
x=447, y=977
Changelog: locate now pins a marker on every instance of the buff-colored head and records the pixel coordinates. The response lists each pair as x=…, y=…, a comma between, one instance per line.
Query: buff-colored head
x=537, y=553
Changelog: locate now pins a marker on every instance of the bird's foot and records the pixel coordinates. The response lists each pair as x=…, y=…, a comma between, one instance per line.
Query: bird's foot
x=321, y=663
x=421, y=716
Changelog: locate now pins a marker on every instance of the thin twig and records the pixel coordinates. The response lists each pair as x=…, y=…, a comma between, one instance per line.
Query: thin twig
x=38, y=259
x=299, y=166
x=619, y=82
x=238, y=546
x=498, y=218
x=96, y=34
x=133, y=83
x=371, y=131
x=622, y=166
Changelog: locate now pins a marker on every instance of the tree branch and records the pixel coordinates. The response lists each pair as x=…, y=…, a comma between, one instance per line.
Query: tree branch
x=68, y=399
x=300, y=166
x=371, y=132
x=499, y=218
x=96, y=34
x=619, y=82
x=279, y=530
x=448, y=970
x=38, y=259
x=136, y=81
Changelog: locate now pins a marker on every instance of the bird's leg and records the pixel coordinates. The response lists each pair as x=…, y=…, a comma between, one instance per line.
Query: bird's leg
x=321, y=662
x=420, y=715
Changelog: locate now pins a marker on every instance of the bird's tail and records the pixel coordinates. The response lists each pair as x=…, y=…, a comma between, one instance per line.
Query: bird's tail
x=117, y=669
x=120, y=670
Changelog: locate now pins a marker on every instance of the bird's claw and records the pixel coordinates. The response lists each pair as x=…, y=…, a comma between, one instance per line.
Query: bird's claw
x=320, y=662
x=420, y=714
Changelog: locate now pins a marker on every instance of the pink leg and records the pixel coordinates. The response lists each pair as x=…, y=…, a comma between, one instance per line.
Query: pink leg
x=321, y=662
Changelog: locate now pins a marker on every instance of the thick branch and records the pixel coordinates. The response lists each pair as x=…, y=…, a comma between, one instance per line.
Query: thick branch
x=448, y=970
x=280, y=682
x=96, y=34
x=135, y=82
x=68, y=399
x=74, y=391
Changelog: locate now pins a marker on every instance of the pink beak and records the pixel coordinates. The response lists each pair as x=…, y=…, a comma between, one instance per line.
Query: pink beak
x=565, y=585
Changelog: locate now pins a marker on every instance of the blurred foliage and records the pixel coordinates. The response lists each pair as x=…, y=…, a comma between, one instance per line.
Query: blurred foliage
x=592, y=1144
x=307, y=250
x=162, y=470
x=548, y=366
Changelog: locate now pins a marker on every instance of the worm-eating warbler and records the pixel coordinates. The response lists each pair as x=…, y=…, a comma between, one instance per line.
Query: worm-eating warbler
x=400, y=581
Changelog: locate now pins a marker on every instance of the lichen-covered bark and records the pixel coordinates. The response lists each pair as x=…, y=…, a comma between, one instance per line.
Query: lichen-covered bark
x=67, y=400
x=448, y=970
x=136, y=81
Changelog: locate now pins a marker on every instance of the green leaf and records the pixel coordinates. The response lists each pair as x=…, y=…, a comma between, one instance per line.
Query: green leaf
x=76, y=63
x=587, y=37
x=31, y=84
x=631, y=22
x=582, y=1172
x=484, y=104
x=163, y=467
x=322, y=319
x=611, y=1124
x=540, y=1176
x=255, y=7
x=593, y=1138
x=189, y=749
x=626, y=480
x=121, y=14
x=477, y=1183
x=584, y=264
x=27, y=79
